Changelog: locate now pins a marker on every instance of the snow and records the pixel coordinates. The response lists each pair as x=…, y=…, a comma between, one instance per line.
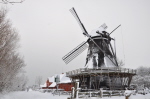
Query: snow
x=32, y=95
x=53, y=84
x=39, y=95
x=103, y=27
x=30, y=89
x=108, y=62
x=51, y=79
x=129, y=93
x=43, y=85
x=90, y=62
x=64, y=79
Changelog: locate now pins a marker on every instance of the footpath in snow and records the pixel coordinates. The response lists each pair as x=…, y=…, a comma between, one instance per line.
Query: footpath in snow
x=39, y=95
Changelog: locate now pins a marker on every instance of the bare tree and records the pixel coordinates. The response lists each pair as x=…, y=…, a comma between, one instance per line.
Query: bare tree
x=11, y=62
x=38, y=80
x=11, y=1
x=120, y=62
x=19, y=83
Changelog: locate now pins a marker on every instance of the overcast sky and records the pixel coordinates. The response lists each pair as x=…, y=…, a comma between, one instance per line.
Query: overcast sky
x=48, y=31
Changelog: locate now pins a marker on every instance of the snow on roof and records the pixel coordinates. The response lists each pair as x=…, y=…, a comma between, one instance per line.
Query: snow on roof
x=43, y=85
x=63, y=78
x=103, y=27
x=51, y=79
x=66, y=81
x=53, y=84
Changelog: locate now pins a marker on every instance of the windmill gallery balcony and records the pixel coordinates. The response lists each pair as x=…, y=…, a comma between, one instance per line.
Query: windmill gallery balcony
x=113, y=78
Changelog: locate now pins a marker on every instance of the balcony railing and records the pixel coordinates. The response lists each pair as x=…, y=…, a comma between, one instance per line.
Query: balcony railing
x=100, y=70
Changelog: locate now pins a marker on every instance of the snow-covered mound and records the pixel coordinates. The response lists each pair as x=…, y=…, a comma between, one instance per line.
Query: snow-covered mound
x=39, y=95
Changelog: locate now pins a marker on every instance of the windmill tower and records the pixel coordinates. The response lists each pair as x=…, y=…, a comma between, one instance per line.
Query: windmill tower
x=101, y=67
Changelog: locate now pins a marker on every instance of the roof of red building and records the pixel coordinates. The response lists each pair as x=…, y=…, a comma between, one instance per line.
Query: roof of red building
x=63, y=79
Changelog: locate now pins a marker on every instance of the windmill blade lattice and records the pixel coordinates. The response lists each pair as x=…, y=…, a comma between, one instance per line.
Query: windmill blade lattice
x=75, y=52
x=74, y=13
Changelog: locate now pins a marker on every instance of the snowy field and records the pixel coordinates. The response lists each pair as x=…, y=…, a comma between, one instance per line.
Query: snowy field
x=39, y=95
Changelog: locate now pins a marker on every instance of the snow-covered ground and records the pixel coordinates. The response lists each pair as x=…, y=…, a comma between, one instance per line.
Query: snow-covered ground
x=39, y=95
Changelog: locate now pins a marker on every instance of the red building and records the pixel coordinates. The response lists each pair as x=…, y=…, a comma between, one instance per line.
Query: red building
x=65, y=86
x=64, y=82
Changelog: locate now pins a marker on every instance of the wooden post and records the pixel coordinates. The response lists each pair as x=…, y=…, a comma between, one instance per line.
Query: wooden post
x=130, y=78
x=90, y=82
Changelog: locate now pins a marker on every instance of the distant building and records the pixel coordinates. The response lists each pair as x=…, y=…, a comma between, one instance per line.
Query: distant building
x=64, y=82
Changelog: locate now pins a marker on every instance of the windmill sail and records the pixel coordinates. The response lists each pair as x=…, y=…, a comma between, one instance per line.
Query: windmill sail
x=78, y=20
x=75, y=52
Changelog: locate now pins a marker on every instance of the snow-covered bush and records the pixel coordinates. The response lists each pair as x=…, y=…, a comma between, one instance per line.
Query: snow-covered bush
x=143, y=77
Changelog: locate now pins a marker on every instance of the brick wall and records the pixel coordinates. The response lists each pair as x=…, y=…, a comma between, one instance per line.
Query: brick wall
x=66, y=86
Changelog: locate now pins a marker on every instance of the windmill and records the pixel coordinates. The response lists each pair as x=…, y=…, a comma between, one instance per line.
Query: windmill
x=100, y=51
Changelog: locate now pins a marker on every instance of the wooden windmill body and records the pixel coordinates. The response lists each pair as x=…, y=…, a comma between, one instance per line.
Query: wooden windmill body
x=96, y=56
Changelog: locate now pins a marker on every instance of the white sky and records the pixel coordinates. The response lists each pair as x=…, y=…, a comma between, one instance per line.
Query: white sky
x=48, y=31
